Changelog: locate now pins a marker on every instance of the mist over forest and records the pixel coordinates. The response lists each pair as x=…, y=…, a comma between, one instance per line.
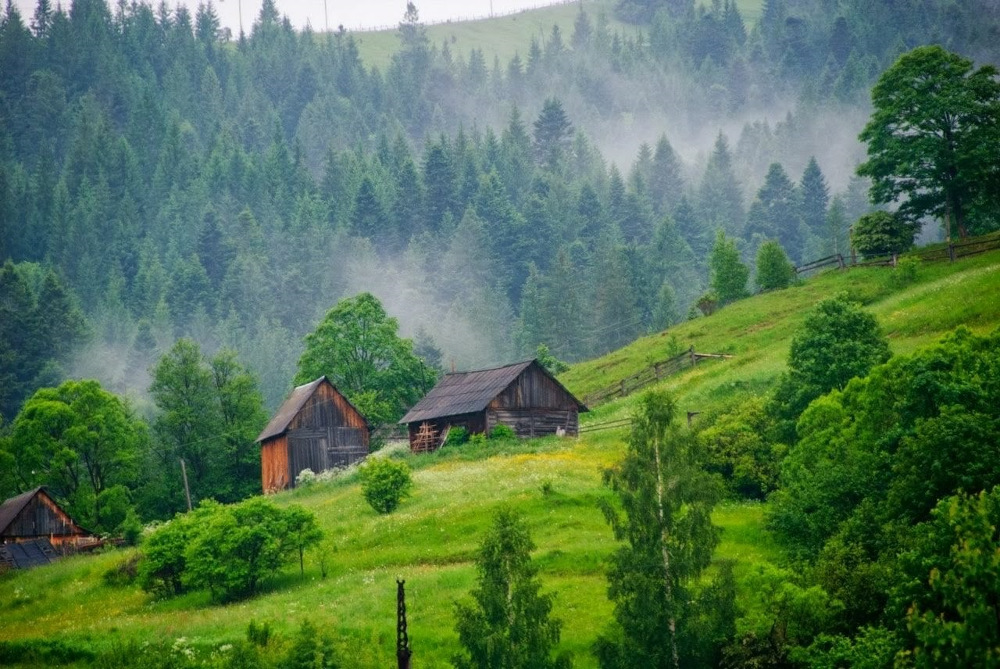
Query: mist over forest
x=166, y=183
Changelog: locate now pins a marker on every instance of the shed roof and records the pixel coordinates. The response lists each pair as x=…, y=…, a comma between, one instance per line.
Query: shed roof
x=470, y=392
x=291, y=406
x=13, y=506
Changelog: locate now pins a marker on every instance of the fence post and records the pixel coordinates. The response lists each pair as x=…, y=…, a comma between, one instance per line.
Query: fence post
x=951, y=252
x=894, y=259
x=840, y=261
x=656, y=369
x=694, y=358
x=623, y=387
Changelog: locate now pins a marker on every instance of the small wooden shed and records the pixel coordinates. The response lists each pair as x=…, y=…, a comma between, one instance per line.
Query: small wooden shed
x=31, y=524
x=316, y=428
x=523, y=396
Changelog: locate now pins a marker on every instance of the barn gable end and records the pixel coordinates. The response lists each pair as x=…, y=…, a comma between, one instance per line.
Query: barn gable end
x=316, y=428
x=35, y=515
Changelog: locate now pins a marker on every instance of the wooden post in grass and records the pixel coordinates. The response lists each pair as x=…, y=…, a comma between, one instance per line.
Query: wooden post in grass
x=403, y=651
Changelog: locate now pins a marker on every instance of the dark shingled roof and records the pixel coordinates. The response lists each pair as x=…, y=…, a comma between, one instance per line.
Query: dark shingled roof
x=13, y=506
x=27, y=554
x=469, y=392
x=291, y=406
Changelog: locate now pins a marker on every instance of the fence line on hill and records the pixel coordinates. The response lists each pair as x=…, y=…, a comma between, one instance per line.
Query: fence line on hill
x=651, y=374
x=463, y=19
x=952, y=252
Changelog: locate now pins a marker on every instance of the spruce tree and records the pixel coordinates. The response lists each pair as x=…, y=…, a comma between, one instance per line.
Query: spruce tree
x=728, y=274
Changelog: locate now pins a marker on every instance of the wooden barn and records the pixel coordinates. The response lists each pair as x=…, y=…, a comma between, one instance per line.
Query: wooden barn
x=34, y=530
x=523, y=396
x=315, y=428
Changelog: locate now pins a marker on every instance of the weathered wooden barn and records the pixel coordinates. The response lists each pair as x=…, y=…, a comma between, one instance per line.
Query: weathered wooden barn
x=523, y=396
x=316, y=428
x=34, y=530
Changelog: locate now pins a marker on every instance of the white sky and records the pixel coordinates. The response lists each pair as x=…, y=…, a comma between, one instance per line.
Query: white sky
x=352, y=15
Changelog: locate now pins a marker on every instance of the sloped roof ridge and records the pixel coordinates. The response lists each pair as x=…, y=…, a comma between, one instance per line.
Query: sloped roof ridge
x=13, y=506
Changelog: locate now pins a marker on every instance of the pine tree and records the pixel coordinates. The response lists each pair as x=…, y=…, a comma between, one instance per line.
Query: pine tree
x=815, y=197
x=439, y=184
x=553, y=134
x=778, y=214
x=720, y=202
x=666, y=184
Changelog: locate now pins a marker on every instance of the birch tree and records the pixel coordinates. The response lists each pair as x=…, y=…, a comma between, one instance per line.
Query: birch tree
x=663, y=519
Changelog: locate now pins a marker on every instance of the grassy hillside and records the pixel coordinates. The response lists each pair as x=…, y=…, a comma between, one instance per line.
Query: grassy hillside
x=430, y=540
x=504, y=36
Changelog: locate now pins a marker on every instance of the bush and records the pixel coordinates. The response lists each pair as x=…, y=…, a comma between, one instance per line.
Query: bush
x=131, y=528
x=906, y=272
x=739, y=449
x=478, y=439
x=882, y=233
x=259, y=634
x=311, y=650
x=385, y=483
x=457, y=436
x=503, y=432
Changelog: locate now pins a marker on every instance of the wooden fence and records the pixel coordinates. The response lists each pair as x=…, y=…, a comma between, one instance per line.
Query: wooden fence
x=951, y=252
x=655, y=372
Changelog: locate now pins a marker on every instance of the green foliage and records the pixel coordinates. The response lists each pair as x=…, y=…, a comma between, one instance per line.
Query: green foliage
x=883, y=233
x=357, y=347
x=837, y=342
x=123, y=573
x=728, y=274
x=85, y=444
x=228, y=550
x=508, y=624
x=550, y=362
x=907, y=272
x=933, y=117
x=663, y=518
x=774, y=270
x=457, y=436
x=739, y=449
x=385, y=483
x=477, y=439
x=311, y=650
x=259, y=634
x=502, y=433
x=956, y=588
x=210, y=414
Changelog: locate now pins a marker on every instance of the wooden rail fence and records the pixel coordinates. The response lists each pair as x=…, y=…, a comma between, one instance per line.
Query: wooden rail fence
x=951, y=252
x=655, y=372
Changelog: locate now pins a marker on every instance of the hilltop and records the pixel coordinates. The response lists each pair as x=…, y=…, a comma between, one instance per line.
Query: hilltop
x=430, y=540
x=504, y=36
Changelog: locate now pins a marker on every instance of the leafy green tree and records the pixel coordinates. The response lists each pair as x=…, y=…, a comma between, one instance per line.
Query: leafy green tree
x=303, y=531
x=774, y=271
x=729, y=275
x=882, y=233
x=84, y=444
x=241, y=415
x=357, y=347
x=663, y=517
x=385, y=483
x=837, y=342
x=508, y=624
x=955, y=616
x=740, y=450
x=930, y=134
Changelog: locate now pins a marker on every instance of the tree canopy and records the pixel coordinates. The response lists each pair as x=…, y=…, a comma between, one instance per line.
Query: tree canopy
x=932, y=138
x=358, y=348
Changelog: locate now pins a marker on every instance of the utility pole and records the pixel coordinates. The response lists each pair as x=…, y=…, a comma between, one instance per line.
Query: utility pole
x=326, y=18
x=403, y=651
x=187, y=490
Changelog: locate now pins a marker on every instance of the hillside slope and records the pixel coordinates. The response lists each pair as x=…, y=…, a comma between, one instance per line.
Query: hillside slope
x=430, y=540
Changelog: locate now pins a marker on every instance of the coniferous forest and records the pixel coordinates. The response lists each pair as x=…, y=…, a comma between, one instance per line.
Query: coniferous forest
x=187, y=217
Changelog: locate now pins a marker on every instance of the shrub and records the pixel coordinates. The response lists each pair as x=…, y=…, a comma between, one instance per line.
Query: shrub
x=882, y=233
x=311, y=650
x=457, y=436
x=503, y=433
x=131, y=528
x=163, y=561
x=259, y=634
x=906, y=272
x=478, y=439
x=385, y=483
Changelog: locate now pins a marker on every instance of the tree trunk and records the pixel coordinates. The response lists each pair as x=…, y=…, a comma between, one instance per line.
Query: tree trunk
x=667, y=585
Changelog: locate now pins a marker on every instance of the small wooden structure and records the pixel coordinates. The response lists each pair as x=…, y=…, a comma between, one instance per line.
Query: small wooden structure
x=34, y=530
x=316, y=428
x=523, y=396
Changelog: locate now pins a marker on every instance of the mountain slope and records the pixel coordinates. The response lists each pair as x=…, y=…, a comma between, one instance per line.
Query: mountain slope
x=430, y=541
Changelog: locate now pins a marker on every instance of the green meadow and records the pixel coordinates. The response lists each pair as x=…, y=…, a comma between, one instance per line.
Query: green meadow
x=431, y=539
x=503, y=36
